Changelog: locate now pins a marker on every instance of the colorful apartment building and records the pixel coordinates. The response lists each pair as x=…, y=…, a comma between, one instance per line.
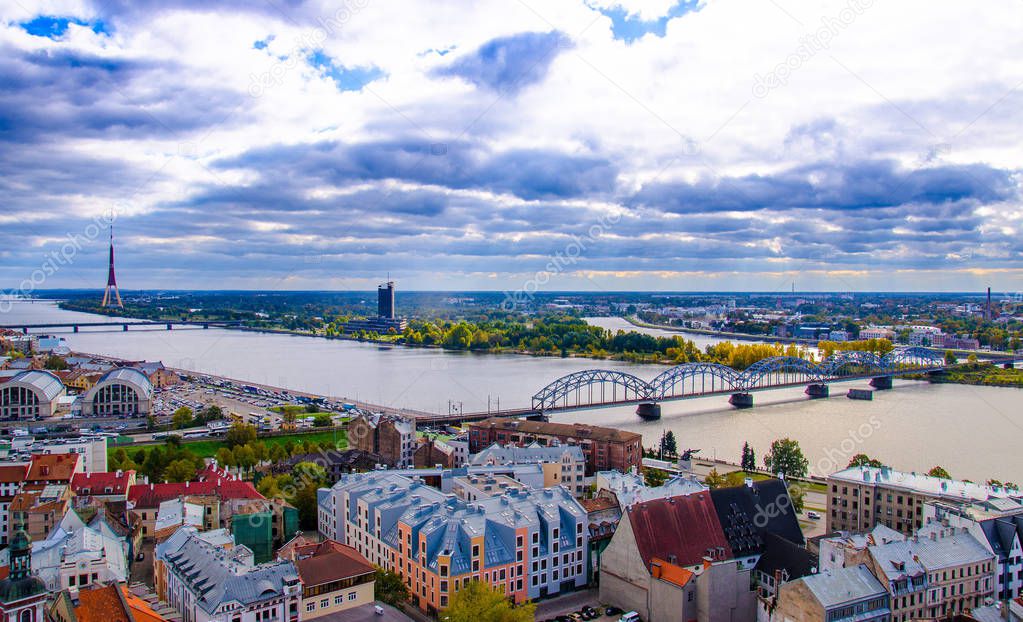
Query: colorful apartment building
x=528, y=543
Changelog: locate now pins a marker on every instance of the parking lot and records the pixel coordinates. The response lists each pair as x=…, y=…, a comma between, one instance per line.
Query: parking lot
x=570, y=607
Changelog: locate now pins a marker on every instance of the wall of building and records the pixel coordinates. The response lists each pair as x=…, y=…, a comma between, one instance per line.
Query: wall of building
x=339, y=600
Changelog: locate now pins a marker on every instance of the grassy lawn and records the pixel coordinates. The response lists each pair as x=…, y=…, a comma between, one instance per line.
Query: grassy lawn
x=208, y=448
x=298, y=409
x=804, y=484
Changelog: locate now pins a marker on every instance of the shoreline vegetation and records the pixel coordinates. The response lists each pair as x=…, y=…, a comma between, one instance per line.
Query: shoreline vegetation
x=569, y=336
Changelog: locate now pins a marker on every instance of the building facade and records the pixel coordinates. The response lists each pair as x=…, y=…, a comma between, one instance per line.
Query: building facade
x=605, y=449
x=389, y=436
x=30, y=395
x=563, y=465
x=843, y=595
x=861, y=497
x=121, y=392
x=207, y=583
x=528, y=543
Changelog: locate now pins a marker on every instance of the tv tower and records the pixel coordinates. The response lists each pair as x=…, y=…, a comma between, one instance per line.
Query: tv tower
x=112, y=295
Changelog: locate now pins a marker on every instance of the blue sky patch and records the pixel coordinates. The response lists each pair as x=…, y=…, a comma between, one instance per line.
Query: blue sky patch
x=347, y=78
x=55, y=27
x=628, y=28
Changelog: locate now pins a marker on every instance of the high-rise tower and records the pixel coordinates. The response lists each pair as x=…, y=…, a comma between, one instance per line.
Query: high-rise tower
x=385, y=301
x=112, y=295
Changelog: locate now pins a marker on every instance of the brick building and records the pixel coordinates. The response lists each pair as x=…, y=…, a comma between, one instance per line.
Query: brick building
x=390, y=436
x=605, y=449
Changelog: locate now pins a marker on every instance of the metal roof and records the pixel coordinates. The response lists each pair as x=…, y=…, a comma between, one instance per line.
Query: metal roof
x=844, y=585
x=41, y=381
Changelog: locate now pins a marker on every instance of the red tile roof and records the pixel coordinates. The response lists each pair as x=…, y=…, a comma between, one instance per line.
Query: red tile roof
x=597, y=504
x=13, y=473
x=332, y=561
x=53, y=467
x=101, y=604
x=209, y=481
x=682, y=530
x=97, y=483
x=671, y=573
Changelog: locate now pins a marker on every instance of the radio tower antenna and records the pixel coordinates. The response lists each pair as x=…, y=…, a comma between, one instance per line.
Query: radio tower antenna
x=112, y=295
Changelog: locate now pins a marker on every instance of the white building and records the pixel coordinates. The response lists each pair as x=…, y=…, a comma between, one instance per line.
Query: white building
x=121, y=392
x=630, y=488
x=30, y=395
x=205, y=582
x=76, y=555
x=92, y=448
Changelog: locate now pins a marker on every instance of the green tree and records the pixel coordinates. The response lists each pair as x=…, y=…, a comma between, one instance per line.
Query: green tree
x=311, y=409
x=669, y=446
x=950, y=357
x=786, y=458
x=245, y=457
x=119, y=457
x=240, y=434
x=278, y=453
x=939, y=471
x=55, y=363
x=478, y=602
x=182, y=417
x=225, y=457
x=797, y=495
x=654, y=477
x=322, y=420
x=714, y=479
x=182, y=470
x=749, y=459
x=860, y=460
x=390, y=588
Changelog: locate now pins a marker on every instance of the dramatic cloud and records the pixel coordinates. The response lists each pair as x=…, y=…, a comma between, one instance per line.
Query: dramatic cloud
x=678, y=144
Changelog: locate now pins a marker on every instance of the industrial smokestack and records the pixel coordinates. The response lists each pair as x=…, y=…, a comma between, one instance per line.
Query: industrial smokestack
x=987, y=310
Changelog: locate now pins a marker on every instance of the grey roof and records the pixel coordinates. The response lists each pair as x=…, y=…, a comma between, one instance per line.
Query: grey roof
x=844, y=585
x=218, y=576
x=449, y=524
x=511, y=454
x=915, y=557
x=126, y=375
x=42, y=381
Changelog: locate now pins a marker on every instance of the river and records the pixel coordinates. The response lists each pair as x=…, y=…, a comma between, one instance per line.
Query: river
x=974, y=432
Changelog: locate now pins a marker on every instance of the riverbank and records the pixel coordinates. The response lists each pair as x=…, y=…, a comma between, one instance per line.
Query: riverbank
x=635, y=321
x=981, y=374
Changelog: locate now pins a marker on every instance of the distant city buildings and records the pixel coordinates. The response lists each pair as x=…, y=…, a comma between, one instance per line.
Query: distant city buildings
x=386, y=320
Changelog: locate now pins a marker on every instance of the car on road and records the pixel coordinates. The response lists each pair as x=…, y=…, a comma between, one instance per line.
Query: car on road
x=813, y=515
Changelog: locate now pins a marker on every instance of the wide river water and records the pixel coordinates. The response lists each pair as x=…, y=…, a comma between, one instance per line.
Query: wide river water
x=974, y=432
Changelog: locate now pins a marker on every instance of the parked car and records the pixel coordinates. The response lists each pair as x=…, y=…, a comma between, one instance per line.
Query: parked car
x=813, y=515
x=612, y=611
x=630, y=616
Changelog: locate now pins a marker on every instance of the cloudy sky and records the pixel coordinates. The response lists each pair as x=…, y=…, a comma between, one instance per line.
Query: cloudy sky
x=563, y=144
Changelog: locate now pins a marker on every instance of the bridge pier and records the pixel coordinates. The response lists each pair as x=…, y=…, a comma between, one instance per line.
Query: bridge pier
x=124, y=327
x=817, y=391
x=1008, y=365
x=741, y=400
x=205, y=326
x=881, y=382
x=75, y=328
x=24, y=330
x=170, y=326
x=649, y=410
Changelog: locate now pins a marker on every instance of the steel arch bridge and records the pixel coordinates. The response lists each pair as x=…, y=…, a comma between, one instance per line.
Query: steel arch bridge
x=591, y=387
x=601, y=387
x=698, y=378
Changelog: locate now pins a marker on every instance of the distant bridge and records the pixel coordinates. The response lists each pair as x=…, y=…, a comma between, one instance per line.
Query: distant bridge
x=168, y=324
x=599, y=388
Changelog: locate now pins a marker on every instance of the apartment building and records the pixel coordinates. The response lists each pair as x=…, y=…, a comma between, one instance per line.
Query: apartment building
x=12, y=478
x=205, y=582
x=528, y=543
x=563, y=465
x=998, y=524
x=861, y=497
x=841, y=595
x=605, y=449
x=390, y=436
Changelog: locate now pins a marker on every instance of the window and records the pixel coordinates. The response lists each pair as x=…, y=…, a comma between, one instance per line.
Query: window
x=353, y=595
x=338, y=599
x=310, y=606
x=323, y=603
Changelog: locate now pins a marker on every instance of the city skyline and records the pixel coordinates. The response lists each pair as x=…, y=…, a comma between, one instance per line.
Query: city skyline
x=585, y=146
